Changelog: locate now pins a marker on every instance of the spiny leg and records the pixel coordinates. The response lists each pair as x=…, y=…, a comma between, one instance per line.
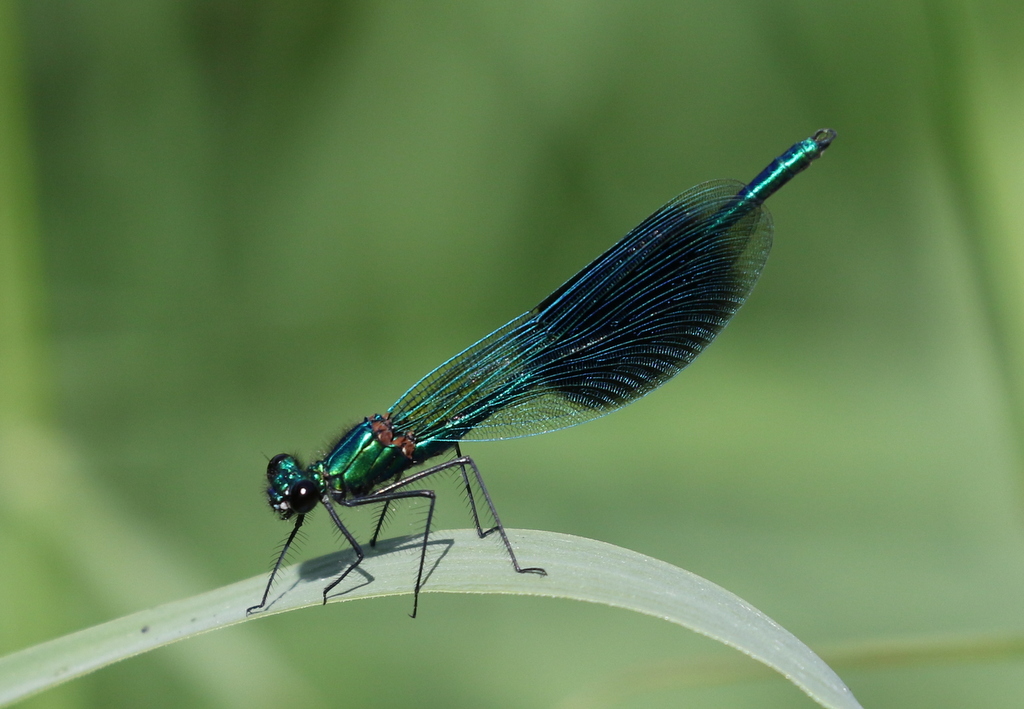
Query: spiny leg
x=463, y=461
x=383, y=515
x=386, y=495
x=466, y=460
x=277, y=565
x=469, y=493
x=380, y=523
x=352, y=542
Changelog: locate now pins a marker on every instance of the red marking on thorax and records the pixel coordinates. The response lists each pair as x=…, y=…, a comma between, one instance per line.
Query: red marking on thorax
x=384, y=431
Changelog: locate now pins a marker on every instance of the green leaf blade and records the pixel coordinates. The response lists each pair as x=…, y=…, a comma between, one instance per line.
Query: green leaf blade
x=578, y=568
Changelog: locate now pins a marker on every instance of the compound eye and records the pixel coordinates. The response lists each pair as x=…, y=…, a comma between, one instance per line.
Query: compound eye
x=303, y=496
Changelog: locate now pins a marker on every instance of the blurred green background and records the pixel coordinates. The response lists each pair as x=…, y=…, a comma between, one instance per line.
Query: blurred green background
x=230, y=229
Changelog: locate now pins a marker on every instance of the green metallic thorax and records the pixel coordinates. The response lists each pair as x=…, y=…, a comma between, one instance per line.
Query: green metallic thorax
x=359, y=462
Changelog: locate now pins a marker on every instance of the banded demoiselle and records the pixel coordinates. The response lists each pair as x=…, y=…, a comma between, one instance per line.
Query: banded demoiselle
x=618, y=329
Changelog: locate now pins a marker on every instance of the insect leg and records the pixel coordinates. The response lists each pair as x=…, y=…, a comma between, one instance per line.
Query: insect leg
x=463, y=461
x=351, y=540
x=387, y=497
x=469, y=493
x=277, y=565
x=466, y=460
x=382, y=517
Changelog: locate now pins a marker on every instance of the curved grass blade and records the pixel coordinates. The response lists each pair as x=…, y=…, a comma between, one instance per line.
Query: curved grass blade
x=583, y=569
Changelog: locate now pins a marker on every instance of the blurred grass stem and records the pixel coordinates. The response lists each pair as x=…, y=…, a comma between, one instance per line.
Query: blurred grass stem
x=975, y=118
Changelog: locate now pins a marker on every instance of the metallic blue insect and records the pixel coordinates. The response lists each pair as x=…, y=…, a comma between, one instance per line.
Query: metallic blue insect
x=624, y=325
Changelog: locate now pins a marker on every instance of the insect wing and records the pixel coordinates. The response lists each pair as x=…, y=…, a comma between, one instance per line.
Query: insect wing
x=621, y=327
